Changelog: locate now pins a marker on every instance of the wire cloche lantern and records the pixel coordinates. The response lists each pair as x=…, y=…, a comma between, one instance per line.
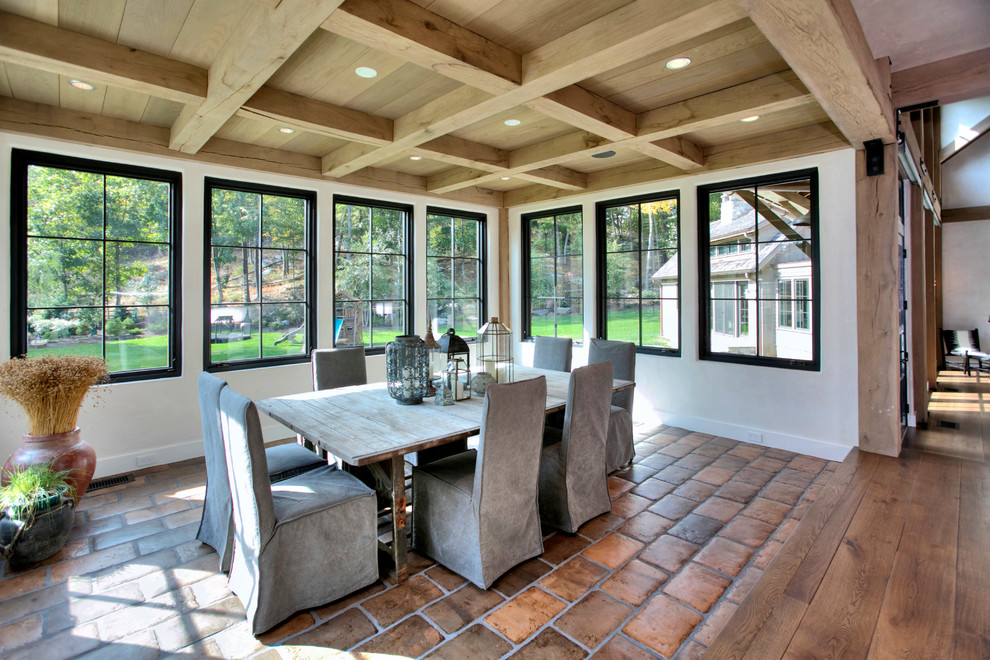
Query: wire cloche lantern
x=495, y=351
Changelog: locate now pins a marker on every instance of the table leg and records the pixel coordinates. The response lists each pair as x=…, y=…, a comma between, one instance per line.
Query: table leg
x=389, y=476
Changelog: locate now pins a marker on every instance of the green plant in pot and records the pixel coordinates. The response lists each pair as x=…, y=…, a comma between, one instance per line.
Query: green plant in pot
x=37, y=509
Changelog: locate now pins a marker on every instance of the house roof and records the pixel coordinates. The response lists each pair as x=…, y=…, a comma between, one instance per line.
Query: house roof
x=273, y=86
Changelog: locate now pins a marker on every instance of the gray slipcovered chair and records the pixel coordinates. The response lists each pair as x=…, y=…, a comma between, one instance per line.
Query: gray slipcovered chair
x=620, y=448
x=477, y=512
x=216, y=526
x=338, y=367
x=552, y=353
x=300, y=543
x=573, y=481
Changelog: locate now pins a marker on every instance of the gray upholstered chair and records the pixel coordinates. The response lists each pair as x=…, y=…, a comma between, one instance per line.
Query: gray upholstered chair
x=573, y=481
x=338, y=367
x=552, y=353
x=476, y=512
x=619, y=449
x=300, y=543
x=216, y=527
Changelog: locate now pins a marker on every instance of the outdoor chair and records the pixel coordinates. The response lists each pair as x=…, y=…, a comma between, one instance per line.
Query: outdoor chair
x=552, y=353
x=961, y=347
x=477, y=512
x=573, y=481
x=620, y=449
x=216, y=527
x=300, y=543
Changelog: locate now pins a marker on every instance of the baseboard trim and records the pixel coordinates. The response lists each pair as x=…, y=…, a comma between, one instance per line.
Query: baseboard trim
x=818, y=448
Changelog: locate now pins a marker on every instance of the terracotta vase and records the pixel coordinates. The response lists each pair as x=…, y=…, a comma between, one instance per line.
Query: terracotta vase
x=67, y=451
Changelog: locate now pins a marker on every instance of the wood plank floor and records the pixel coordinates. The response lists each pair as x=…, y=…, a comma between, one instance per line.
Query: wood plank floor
x=893, y=559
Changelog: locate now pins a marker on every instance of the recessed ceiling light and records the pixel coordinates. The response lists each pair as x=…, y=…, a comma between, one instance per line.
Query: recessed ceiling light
x=365, y=72
x=749, y=119
x=415, y=158
x=82, y=84
x=678, y=63
x=512, y=122
x=506, y=178
x=286, y=130
x=603, y=154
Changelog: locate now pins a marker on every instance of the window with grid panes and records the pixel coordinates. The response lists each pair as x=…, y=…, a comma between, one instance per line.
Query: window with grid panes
x=455, y=271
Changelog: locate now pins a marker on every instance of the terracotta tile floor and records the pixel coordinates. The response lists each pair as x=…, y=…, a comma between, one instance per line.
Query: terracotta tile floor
x=694, y=522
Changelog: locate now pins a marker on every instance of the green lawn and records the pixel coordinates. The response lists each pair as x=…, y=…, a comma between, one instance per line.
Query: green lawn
x=622, y=326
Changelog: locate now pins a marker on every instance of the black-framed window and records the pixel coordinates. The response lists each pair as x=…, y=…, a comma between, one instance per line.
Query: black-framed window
x=373, y=280
x=94, y=262
x=639, y=271
x=758, y=271
x=553, y=277
x=455, y=270
x=259, y=282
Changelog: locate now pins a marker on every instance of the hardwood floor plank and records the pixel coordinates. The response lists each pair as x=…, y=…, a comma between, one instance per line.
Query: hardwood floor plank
x=917, y=615
x=840, y=620
x=767, y=597
x=972, y=573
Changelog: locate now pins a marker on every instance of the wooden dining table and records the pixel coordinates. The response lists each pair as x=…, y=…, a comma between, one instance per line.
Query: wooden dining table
x=363, y=426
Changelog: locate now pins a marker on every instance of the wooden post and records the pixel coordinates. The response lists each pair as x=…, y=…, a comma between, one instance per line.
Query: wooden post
x=876, y=302
x=504, y=300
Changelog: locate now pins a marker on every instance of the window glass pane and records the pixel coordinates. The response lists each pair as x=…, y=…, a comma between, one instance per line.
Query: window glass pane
x=443, y=314
x=569, y=239
x=65, y=331
x=542, y=237
x=622, y=320
x=352, y=229
x=388, y=276
x=438, y=278
x=136, y=338
x=659, y=268
x=660, y=323
x=388, y=321
x=622, y=228
x=659, y=224
x=438, y=232
x=235, y=217
x=137, y=209
x=234, y=275
x=136, y=273
x=64, y=202
x=235, y=333
x=283, y=275
x=64, y=272
x=283, y=329
x=622, y=275
x=284, y=222
x=465, y=319
x=352, y=323
x=387, y=231
x=465, y=273
x=466, y=237
x=352, y=276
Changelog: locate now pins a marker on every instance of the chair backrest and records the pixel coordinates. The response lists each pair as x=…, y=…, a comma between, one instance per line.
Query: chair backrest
x=589, y=400
x=506, y=476
x=960, y=340
x=552, y=353
x=247, y=471
x=622, y=355
x=210, y=387
x=339, y=367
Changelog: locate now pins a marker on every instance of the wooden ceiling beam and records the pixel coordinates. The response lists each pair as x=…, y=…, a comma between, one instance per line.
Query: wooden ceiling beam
x=41, y=46
x=953, y=79
x=823, y=43
x=805, y=141
x=586, y=110
x=966, y=214
x=557, y=177
x=59, y=124
x=677, y=151
x=417, y=35
x=262, y=42
x=630, y=32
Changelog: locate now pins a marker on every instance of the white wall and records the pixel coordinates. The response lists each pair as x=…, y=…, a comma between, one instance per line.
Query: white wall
x=966, y=176
x=161, y=417
x=809, y=412
x=966, y=277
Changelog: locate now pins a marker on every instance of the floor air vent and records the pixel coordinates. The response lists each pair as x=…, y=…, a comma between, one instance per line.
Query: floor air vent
x=942, y=424
x=97, y=484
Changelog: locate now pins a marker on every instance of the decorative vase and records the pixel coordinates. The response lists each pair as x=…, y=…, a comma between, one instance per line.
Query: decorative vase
x=66, y=451
x=26, y=542
x=407, y=369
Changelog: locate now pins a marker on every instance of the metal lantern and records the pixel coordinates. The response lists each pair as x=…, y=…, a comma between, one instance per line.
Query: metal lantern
x=433, y=360
x=456, y=351
x=407, y=369
x=495, y=351
x=444, y=395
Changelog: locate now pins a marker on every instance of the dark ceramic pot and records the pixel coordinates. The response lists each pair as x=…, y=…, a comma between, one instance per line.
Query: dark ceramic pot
x=66, y=451
x=26, y=542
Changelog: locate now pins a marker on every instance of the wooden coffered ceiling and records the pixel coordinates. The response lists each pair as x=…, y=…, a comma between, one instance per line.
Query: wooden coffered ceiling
x=215, y=80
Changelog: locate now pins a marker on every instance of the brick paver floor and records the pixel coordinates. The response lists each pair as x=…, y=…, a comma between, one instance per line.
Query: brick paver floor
x=695, y=521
